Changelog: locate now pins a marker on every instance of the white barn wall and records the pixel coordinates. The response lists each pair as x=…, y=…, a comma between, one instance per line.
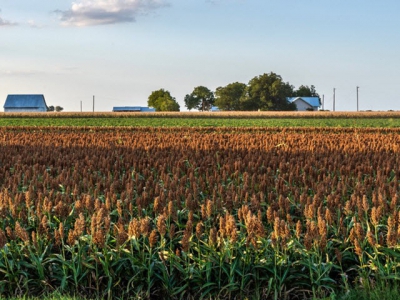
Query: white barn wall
x=302, y=106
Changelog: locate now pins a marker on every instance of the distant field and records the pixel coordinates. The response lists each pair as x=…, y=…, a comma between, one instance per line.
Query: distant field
x=185, y=119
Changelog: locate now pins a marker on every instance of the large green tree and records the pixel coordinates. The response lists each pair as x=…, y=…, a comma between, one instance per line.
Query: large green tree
x=162, y=100
x=268, y=92
x=201, y=98
x=228, y=97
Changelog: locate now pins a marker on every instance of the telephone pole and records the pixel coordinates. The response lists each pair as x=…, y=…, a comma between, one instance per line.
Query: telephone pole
x=323, y=102
x=334, y=91
x=357, y=97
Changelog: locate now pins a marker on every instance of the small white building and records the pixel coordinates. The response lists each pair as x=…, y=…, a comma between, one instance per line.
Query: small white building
x=305, y=103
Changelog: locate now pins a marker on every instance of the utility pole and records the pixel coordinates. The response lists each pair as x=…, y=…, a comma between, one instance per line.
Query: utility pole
x=323, y=102
x=357, y=97
x=334, y=91
x=93, y=103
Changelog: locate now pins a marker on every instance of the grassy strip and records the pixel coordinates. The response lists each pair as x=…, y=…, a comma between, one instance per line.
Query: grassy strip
x=381, y=290
x=55, y=296
x=203, y=122
x=378, y=291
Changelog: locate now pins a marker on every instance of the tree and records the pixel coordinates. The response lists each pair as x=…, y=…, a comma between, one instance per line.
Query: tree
x=169, y=104
x=201, y=98
x=228, y=97
x=307, y=91
x=268, y=92
x=59, y=108
x=162, y=100
x=50, y=108
x=191, y=102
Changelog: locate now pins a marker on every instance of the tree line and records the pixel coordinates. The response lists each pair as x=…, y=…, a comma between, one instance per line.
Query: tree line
x=57, y=108
x=266, y=92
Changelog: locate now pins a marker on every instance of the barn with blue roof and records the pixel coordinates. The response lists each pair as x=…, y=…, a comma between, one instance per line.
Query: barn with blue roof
x=25, y=103
x=305, y=103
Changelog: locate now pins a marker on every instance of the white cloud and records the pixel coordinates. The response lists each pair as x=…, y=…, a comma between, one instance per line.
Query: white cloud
x=6, y=23
x=33, y=24
x=101, y=12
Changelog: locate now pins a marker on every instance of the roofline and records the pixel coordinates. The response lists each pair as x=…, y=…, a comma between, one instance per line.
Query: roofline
x=44, y=99
x=299, y=98
x=292, y=99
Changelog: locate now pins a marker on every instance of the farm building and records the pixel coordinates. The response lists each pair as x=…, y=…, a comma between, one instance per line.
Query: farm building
x=25, y=103
x=305, y=103
x=133, y=109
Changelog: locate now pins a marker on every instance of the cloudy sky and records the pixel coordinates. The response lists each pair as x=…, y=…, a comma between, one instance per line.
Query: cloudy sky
x=122, y=50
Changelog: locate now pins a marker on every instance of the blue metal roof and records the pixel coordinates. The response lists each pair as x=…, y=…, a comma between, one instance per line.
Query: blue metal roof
x=126, y=108
x=313, y=101
x=134, y=108
x=25, y=101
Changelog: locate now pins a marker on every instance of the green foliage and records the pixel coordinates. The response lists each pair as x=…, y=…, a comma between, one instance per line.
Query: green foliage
x=380, y=290
x=59, y=108
x=268, y=92
x=50, y=108
x=201, y=121
x=228, y=97
x=201, y=98
x=162, y=100
x=168, y=104
x=264, y=92
x=306, y=91
x=190, y=102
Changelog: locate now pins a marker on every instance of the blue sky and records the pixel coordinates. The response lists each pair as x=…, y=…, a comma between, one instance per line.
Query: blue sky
x=122, y=50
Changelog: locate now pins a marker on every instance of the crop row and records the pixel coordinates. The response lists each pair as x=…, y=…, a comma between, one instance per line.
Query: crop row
x=213, y=115
x=198, y=213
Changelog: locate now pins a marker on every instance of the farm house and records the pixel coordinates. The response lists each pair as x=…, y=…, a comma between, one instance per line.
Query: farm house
x=133, y=109
x=25, y=103
x=305, y=103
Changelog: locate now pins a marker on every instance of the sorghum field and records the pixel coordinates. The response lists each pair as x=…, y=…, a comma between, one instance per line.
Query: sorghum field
x=189, y=213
